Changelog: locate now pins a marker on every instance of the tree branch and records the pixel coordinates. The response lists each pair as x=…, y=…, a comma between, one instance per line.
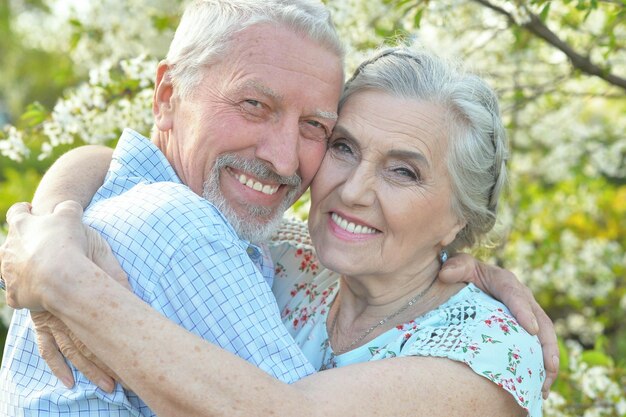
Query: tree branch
x=539, y=29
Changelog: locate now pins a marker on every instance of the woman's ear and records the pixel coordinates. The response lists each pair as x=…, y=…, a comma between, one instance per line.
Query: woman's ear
x=163, y=100
x=452, y=234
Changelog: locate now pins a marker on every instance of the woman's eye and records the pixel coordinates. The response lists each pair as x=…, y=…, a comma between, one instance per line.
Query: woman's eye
x=341, y=146
x=406, y=172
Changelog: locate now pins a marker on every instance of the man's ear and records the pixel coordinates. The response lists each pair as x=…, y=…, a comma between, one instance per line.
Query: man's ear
x=163, y=100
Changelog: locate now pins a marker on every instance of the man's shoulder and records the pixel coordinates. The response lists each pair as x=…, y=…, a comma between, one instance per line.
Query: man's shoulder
x=164, y=206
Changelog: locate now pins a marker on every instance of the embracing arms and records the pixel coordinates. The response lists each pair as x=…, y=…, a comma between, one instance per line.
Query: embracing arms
x=62, y=183
x=177, y=373
x=76, y=175
x=167, y=375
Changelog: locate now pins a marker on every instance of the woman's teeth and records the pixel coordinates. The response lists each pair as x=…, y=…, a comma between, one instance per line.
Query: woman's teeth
x=351, y=227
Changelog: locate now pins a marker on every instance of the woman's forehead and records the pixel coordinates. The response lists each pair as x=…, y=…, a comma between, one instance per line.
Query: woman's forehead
x=383, y=121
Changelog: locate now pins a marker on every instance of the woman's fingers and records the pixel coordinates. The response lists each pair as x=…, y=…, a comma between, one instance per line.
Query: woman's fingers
x=49, y=351
x=101, y=254
x=52, y=333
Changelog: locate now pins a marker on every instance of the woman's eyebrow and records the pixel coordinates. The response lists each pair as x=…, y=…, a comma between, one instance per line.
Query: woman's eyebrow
x=406, y=154
x=394, y=153
x=342, y=131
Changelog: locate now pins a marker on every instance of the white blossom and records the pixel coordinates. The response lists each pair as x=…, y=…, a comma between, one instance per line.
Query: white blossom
x=596, y=383
x=13, y=146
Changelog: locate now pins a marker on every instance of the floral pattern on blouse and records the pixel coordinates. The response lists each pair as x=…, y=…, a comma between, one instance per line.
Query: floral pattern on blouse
x=470, y=327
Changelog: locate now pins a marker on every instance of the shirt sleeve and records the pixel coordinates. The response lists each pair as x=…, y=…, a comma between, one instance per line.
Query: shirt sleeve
x=503, y=352
x=213, y=289
x=479, y=331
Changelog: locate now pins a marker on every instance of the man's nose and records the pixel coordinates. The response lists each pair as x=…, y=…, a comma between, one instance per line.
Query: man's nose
x=279, y=147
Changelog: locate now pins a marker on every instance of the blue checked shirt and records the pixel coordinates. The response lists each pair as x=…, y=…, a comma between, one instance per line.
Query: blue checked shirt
x=185, y=260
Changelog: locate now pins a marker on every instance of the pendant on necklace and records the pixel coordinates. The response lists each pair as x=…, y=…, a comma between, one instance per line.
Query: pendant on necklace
x=330, y=363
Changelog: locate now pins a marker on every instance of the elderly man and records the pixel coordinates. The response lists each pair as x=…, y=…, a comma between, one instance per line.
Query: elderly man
x=243, y=106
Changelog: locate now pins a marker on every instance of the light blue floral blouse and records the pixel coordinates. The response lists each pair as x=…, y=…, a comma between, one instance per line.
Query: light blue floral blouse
x=471, y=327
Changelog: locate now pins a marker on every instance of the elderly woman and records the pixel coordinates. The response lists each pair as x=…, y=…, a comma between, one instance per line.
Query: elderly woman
x=413, y=172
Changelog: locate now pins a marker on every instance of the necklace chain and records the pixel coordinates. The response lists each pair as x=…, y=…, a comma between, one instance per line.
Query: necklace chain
x=393, y=315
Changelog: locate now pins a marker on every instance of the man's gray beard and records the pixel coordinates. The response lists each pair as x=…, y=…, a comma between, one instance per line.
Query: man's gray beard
x=259, y=223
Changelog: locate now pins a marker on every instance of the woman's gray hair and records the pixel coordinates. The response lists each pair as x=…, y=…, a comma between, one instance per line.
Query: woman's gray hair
x=477, y=145
x=207, y=27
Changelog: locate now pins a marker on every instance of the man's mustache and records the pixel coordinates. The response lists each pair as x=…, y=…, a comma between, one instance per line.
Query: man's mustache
x=258, y=168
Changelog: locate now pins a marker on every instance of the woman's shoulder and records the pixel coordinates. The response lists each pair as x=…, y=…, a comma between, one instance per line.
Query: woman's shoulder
x=292, y=232
x=491, y=321
x=473, y=328
x=293, y=253
x=473, y=315
x=301, y=283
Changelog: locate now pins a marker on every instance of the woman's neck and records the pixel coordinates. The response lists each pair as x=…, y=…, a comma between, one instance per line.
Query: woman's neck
x=365, y=301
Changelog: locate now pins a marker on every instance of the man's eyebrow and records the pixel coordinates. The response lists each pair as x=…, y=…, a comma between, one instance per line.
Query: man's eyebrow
x=260, y=87
x=327, y=114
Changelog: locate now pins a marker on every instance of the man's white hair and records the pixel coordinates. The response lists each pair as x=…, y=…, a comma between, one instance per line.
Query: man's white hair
x=207, y=27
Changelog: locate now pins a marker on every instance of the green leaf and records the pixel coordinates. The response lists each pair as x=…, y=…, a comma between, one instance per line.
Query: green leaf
x=162, y=23
x=75, y=39
x=76, y=23
x=544, y=12
x=35, y=114
x=417, y=19
x=564, y=355
x=596, y=358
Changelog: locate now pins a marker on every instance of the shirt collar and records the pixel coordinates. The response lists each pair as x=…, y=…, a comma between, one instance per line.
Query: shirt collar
x=136, y=156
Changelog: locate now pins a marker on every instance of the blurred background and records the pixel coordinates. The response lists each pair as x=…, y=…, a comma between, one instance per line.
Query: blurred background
x=76, y=72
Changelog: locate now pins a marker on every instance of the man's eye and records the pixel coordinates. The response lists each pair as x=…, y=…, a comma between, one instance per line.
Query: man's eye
x=254, y=103
x=314, y=130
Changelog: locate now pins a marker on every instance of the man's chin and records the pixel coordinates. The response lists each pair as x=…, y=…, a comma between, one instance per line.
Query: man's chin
x=257, y=231
x=255, y=223
x=252, y=222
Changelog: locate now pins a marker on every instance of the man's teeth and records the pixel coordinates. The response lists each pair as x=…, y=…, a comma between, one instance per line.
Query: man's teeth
x=351, y=227
x=257, y=186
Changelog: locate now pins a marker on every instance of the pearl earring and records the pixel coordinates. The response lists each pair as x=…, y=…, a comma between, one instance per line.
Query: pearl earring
x=443, y=256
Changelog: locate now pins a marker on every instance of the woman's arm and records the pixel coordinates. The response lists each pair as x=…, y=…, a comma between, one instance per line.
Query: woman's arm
x=76, y=175
x=178, y=373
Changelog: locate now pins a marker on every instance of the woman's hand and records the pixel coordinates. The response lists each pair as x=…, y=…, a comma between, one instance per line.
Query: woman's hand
x=504, y=286
x=55, y=341
x=38, y=248
x=32, y=260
